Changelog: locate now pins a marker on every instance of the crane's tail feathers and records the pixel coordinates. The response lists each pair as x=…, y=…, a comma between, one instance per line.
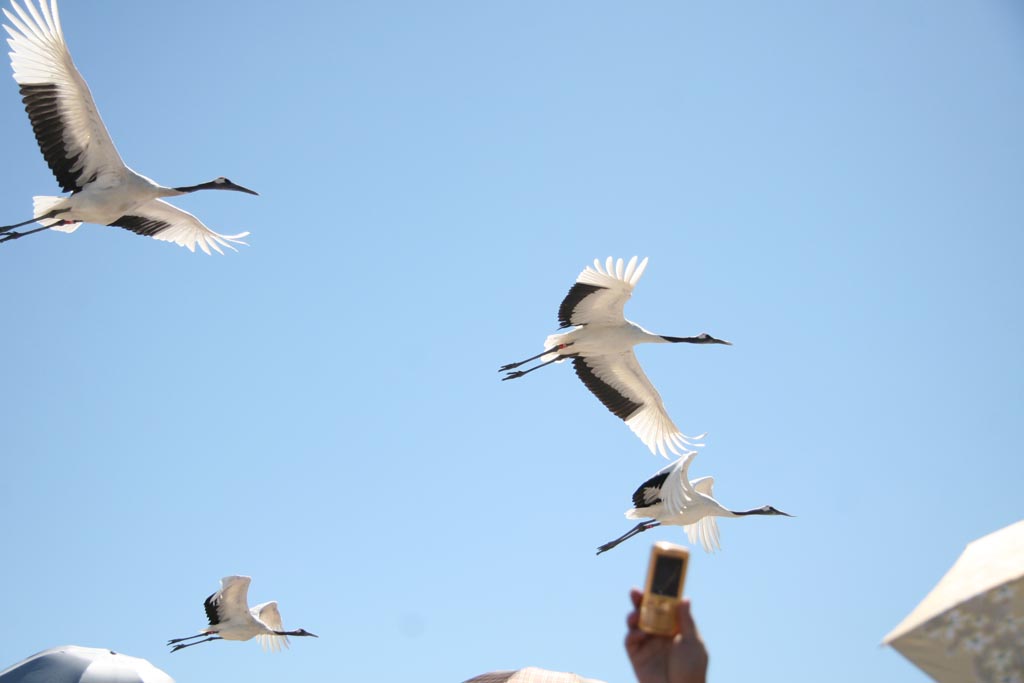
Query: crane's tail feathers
x=551, y=342
x=272, y=643
x=44, y=205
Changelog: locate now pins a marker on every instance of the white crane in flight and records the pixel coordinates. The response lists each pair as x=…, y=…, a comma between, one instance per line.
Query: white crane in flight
x=601, y=349
x=79, y=151
x=669, y=497
x=231, y=618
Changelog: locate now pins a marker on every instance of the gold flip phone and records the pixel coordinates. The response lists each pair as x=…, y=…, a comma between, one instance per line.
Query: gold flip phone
x=666, y=574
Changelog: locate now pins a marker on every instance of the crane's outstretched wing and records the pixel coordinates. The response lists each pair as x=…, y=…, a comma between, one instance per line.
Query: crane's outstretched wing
x=162, y=221
x=676, y=492
x=68, y=127
x=267, y=613
x=703, y=485
x=620, y=384
x=707, y=531
x=600, y=293
x=679, y=493
x=230, y=601
x=707, y=528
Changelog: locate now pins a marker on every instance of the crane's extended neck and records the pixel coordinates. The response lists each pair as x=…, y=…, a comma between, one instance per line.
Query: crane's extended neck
x=216, y=184
x=299, y=632
x=699, y=339
x=763, y=510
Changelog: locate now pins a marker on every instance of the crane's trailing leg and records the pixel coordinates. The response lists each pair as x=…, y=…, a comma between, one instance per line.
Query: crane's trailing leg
x=180, y=640
x=7, y=234
x=642, y=526
x=181, y=646
x=520, y=373
x=505, y=368
x=7, y=228
x=4, y=229
x=16, y=235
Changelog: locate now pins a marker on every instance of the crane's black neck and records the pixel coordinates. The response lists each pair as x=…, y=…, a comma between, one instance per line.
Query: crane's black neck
x=688, y=340
x=756, y=511
x=194, y=188
x=704, y=338
x=221, y=183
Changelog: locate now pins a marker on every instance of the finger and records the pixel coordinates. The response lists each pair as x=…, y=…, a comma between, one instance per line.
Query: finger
x=687, y=629
x=635, y=640
x=637, y=596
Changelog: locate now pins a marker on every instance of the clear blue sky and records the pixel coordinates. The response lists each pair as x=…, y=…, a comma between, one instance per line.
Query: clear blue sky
x=835, y=187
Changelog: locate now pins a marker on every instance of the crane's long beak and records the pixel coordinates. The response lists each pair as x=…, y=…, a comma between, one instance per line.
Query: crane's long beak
x=232, y=186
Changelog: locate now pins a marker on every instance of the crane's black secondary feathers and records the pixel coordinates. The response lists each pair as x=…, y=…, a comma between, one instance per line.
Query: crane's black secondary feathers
x=577, y=293
x=147, y=227
x=608, y=395
x=649, y=492
x=211, y=610
x=42, y=104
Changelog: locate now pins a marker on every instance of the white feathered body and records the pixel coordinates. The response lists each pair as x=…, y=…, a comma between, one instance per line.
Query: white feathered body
x=698, y=506
x=602, y=340
x=597, y=339
x=685, y=503
x=235, y=620
x=102, y=201
x=78, y=148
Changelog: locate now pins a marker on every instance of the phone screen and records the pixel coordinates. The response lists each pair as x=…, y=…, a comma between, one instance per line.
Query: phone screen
x=668, y=572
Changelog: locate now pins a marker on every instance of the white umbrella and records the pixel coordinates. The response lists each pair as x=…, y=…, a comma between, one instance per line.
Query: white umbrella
x=74, y=664
x=970, y=627
x=530, y=674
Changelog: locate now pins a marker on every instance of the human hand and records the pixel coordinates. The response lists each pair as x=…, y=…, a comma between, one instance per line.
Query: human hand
x=662, y=659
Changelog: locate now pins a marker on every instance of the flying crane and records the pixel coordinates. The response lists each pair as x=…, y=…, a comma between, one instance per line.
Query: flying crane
x=669, y=497
x=79, y=151
x=601, y=349
x=231, y=618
